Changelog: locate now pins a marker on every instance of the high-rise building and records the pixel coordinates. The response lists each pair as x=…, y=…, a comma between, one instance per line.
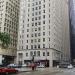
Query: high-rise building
x=72, y=28
x=9, y=20
x=43, y=32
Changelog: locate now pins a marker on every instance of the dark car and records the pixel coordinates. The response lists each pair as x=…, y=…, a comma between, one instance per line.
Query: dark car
x=63, y=65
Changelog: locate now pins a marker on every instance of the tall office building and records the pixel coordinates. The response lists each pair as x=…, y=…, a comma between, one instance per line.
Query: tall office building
x=72, y=28
x=43, y=32
x=9, y=20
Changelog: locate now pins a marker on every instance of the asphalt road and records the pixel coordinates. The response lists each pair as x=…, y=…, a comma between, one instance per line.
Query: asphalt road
x=43, y=72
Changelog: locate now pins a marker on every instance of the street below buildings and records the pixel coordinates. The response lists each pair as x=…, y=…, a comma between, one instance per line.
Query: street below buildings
x=49, y=72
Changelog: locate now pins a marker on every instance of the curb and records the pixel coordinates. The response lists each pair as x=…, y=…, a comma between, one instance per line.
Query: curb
x=27, y=71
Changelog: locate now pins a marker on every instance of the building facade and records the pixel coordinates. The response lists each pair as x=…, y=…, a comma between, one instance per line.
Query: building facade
x=9, y=20
x=72, y=28
x=43, y=32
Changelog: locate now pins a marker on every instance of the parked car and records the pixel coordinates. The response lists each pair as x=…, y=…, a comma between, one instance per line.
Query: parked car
x=41, y=66
x=70, y=66
x=24, y=65
x=6, y=70
x=12, y=65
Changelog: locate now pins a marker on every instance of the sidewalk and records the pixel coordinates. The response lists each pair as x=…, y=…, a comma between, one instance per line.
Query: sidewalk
x=39, y=69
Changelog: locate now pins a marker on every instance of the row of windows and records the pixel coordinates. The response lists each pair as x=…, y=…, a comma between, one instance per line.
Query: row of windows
x=34, y=46
x=35, y=53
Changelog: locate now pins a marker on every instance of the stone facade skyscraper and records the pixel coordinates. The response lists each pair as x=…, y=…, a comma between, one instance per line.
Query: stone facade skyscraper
x=43, y=32
x=9, y=20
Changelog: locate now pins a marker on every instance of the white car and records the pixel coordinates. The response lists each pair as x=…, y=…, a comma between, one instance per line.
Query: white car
x=24, y=65
x=41, y=66
x=12, y=65
x=70, y=66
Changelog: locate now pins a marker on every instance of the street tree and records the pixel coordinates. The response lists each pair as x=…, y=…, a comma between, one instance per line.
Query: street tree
x=5, y=39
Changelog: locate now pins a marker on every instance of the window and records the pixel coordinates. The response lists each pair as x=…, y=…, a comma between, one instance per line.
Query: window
x=39, y=28
x=34, y=53
x=31, y=41
x=31, y=46
x=39, y=34
x=38, y=46
x=26, y=54
x=31, y=53
x=32, y=9
x=26, y=46
x=39, y=7
x=39, y=2
x=47, y=53
x=36, y=24
x=27, y=30
x=43, y=27
x=49, y=39
x=43, y=53
x=35, y=46
x=39, y=17
x=43, y=39
x=27, y=35
x=43, y=22
x=32, y=24
x=43, y=0
x=35, y=34
x=32, y=19
x=36, y=3
x=38, y=53
x=38, y=40
x=20, y=55
x=43, y=11
x=43, y=33
x=27, y=41
x=28, y=5
x=39, y=23
x=44, y=16
x=43, y=45
x=43, y=6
